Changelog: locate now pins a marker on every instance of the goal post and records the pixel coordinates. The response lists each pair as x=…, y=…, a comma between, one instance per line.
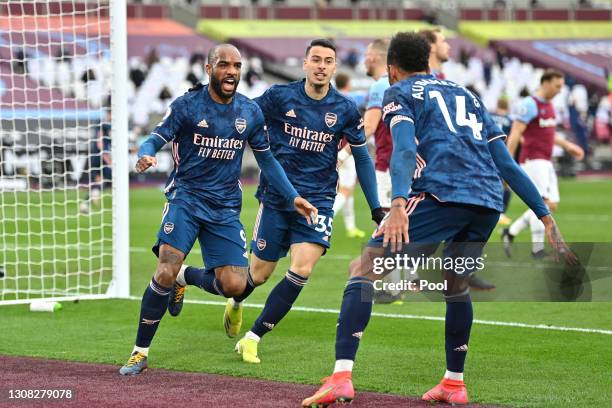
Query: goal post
x=64, y=179
x=120, y=285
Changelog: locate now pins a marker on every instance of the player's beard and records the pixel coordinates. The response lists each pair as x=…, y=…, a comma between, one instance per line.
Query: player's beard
x=217, y=86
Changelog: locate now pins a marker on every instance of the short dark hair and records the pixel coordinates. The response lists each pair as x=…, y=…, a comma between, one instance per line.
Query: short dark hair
x=213, y=54
x=342, y=80
x=430, y=34
x=550, y=74
x=321, y=42
x=409, y=51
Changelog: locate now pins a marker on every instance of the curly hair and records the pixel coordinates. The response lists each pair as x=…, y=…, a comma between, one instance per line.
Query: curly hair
x=409, y=51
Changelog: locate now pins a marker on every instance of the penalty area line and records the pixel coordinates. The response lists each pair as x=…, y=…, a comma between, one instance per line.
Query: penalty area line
x=412, y=317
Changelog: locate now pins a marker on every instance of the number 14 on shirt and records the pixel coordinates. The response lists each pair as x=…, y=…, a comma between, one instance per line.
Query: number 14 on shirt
x=461, y=119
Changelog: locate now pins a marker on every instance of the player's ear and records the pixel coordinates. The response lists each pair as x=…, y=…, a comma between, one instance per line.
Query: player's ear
x=208, y=68
x=392, y=71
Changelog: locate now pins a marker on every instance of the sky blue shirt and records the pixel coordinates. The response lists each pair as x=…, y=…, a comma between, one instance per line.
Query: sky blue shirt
x=377, y=92
x=526, y=110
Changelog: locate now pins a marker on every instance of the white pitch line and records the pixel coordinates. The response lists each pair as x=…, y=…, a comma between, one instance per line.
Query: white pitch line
x=409, y=316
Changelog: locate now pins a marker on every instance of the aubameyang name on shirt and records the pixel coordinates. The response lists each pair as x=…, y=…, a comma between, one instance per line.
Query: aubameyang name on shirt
x=216, y=147
x=307, y=139
x=418, y=87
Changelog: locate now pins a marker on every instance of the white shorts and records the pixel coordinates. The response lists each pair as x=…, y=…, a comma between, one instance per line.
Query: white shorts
x=347, y=175
x=383, y=180
x=543, y=175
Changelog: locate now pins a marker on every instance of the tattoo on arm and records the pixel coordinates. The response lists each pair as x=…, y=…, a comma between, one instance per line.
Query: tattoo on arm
x=555, y=234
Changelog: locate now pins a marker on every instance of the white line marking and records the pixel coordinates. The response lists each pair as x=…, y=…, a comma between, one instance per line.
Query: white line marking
x=409, y=316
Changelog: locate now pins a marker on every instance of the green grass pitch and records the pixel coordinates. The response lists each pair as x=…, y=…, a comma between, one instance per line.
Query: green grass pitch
x=511, y=366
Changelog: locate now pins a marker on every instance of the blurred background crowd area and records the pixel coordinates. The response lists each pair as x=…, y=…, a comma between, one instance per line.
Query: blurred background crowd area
x=498, y=49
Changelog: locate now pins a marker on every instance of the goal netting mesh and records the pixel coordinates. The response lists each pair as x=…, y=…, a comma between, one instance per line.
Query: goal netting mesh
x=55, y=142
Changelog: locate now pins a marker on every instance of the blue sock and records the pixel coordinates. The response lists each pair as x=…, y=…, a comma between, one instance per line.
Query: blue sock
x=459, y=316
x=250, y=287
x=152, y=309
x=507, y=196
x=354, y=316
x=205, y=279
x=279, y=303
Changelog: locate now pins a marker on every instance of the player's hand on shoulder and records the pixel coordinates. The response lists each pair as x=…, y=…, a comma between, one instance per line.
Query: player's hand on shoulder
x=306, y=209
x=145, y=162
x=395, y=226
x=553, y=234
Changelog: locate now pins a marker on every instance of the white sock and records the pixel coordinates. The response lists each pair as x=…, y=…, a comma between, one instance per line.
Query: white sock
x=143, y=350
x=180, y=278
x=520, y=224
x=453, y=376
x=349, y=213
x=343, y=365
x=537, y=233
x=339, y=203
x=252, y=336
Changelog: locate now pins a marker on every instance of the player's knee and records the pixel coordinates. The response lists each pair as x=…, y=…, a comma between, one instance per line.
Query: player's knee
x=345, y=191
x=355, y=268
x=259, y=277
x=166, y=274
x=364, y=265
x=552, y=206
x=233, y=279
x=260, y=273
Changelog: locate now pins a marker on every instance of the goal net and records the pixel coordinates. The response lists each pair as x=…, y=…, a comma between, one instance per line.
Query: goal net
x=63, y=150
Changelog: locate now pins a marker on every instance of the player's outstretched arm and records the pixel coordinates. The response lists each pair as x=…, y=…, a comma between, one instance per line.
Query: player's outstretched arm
x=367, y=178
x=520, y=183
x=572, y=148
x=276, y=176
x=553, y=234
x=147, y=151
x=516, y=178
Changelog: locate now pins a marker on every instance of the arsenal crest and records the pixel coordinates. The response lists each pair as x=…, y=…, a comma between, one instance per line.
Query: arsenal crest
x=240, y=125
x=168, y=227
x=330, y=119
x=261, y=244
